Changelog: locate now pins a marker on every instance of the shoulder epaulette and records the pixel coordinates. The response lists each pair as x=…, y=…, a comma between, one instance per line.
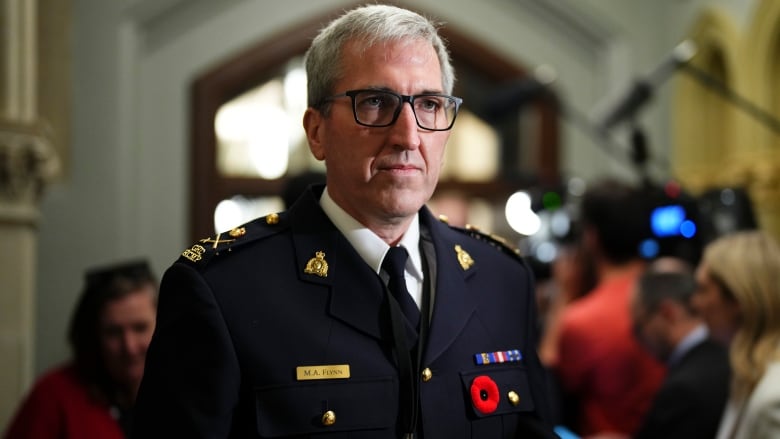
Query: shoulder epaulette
x=224, y=243
x=498, y=242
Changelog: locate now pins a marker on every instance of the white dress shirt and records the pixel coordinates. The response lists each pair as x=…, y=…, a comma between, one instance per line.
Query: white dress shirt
x=372, y=248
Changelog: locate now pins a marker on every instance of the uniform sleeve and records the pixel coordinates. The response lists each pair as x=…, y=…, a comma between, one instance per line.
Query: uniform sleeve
x=540, y=382
x=191, y=380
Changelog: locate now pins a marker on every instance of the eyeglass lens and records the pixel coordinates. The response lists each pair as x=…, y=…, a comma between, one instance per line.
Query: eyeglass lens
x=378, y=108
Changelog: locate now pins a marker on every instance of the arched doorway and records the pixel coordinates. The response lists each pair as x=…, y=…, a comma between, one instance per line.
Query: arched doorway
x=526, y=151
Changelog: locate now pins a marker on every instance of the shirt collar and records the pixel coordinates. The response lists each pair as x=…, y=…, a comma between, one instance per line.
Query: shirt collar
x=369, y=246
x=699, y=334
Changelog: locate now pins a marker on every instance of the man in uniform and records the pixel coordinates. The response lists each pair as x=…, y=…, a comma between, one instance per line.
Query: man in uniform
x=298, y=325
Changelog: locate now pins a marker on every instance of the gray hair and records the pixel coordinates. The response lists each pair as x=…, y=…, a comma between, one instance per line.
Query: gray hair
x=368, y=25
x=655, y=287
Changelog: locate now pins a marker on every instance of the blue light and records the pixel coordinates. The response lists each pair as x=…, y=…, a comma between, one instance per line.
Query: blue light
x=667, y=220
x=649, y=248
x=688, y=229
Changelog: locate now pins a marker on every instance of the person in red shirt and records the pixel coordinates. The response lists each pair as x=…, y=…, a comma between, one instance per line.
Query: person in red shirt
x=92, y=396
x=607, y=378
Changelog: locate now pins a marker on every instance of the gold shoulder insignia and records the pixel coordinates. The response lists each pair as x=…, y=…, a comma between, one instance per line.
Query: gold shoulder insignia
x=197, y=252
x=226, y=242
x=194, y=253
x=216, y=241
x=272, y=219
x=499, y=242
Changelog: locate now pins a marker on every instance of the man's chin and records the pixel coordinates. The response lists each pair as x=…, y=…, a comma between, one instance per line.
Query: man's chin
x=403, y=210
x=406, y=200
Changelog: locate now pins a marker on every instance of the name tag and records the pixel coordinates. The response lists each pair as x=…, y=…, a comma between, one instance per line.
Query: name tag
x=326, y=372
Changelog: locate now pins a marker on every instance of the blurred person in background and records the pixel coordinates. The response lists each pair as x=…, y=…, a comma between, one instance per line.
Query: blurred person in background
x=692, y=397
x=92, y=396
x=607, y=378
x=738, y=295
x=571, y=277
x=568, y=278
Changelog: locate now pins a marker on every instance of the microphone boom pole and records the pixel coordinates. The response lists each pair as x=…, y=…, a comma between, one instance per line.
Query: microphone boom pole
x=743, y=104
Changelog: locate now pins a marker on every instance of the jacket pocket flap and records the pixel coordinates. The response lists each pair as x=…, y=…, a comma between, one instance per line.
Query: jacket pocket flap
x=350, y=405
x=492, y=391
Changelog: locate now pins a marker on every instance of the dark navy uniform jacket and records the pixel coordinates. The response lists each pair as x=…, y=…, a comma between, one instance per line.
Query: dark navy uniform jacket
x=250, y=343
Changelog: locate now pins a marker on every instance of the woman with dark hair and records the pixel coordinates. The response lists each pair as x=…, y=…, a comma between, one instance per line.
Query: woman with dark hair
x=92, y=396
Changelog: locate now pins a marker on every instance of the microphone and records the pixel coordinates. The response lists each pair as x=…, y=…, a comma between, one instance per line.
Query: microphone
x=515, y=94
x=642, y=90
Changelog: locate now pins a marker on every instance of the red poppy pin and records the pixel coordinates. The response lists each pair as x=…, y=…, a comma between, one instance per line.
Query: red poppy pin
x=484, y=394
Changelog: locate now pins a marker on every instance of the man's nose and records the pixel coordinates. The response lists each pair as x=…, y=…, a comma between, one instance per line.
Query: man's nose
x=405, y=130
x=132, y=343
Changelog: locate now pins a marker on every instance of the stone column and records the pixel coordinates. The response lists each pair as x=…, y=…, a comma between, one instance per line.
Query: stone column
x=27, y=161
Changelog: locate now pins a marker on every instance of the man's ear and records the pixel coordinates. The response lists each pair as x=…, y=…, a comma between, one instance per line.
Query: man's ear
x=313, y=125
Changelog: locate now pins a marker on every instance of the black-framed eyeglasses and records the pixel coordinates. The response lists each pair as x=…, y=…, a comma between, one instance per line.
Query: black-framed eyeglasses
x=380, y=108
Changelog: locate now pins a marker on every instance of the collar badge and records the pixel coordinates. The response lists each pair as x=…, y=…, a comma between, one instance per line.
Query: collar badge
x=464, y=258
x=317, y=265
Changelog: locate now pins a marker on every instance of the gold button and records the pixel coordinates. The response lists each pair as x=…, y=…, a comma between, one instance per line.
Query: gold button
x=444, y=219
x=272, y=218
x=427, y=375
x=329, y=418
x=514, y=398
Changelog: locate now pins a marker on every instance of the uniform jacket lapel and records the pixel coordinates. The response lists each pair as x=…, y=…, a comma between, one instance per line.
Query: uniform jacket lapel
x=453, y=302
x=356, y=293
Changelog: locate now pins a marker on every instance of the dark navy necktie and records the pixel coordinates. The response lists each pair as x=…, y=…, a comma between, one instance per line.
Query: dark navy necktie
x=394, y=264
x=406, y=346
